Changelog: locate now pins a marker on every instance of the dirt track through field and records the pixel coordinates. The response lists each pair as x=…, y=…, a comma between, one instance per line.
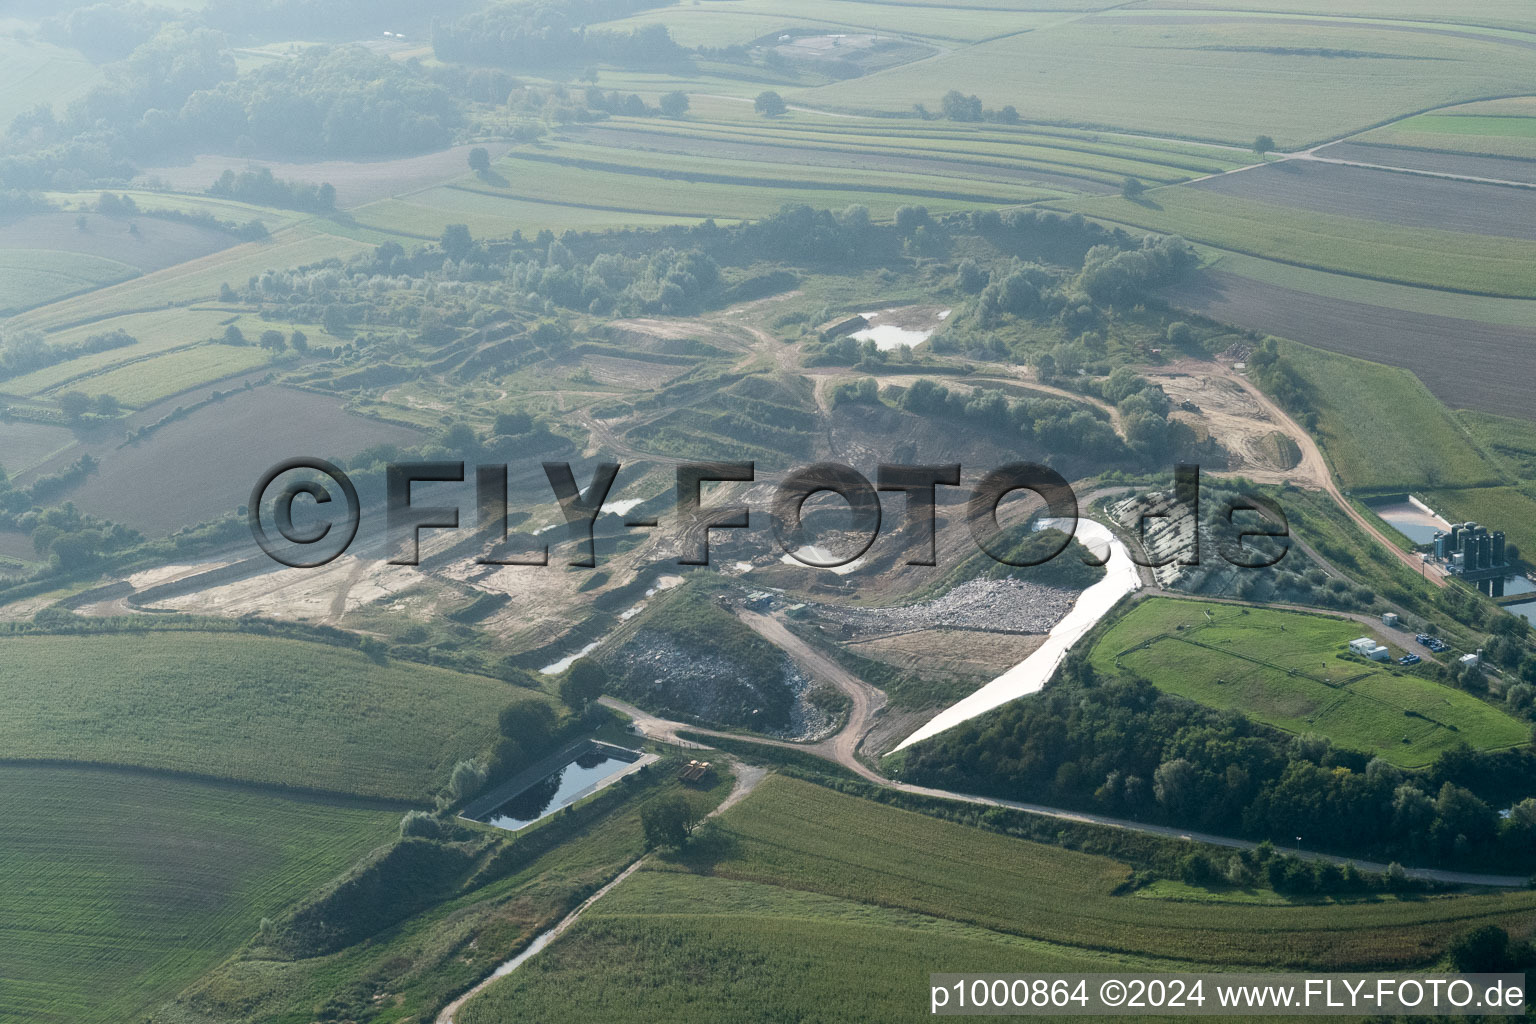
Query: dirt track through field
x=747, y=778
x=1491, y=168
x=1411, y=200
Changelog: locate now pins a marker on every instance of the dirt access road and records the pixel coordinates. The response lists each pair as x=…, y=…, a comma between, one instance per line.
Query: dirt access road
x=666, y=732
x=1314, y=469
x=747, y=778
x=866, y=699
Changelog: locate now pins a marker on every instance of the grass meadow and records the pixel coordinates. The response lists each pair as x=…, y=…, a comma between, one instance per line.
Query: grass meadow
x=1381, y=429
x=33, y=277
x=33, y=72
x=144, y=382
x=1284, y=669
x=116, y=889
x=257, y=709
x=1430, y=302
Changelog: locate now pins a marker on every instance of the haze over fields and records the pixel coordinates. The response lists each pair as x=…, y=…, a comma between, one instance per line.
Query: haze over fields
x=523, y=756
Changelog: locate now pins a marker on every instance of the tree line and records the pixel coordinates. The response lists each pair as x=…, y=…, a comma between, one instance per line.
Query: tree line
x=1122, y=747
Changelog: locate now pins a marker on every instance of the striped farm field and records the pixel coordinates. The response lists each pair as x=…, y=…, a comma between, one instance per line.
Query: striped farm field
x=195, y=280
x=283, y=712
x=1478, y=264
x=1074, y=162
x=119, y=889
x=724, y=22
x=546, y=194
x=32, y=277
x=424, y=216
x=142, y=383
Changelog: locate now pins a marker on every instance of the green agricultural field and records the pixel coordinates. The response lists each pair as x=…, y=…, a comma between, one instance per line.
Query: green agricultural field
x=814, y=904
x=932, y=156
x=1510, y=441
x=159, y=332
x=1382, y=430
x=1508, y=14
x=425, y=215
x=1504, y=127
x=1284, y=669
x=596, y=188
x=726, y=22
x=142, y=383
x=118, y=889
x=1431, y=302
x=1510, y=509
x=1480, y=264
x=194, y=280
x=1223, y=77
x=32, y=277
x=260, y=709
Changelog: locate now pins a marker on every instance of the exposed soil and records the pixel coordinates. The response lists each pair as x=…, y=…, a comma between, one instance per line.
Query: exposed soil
x=203, y=466
x=1234, y=419
x=1507, y=168
x=1485, y=353
x=1412, y=200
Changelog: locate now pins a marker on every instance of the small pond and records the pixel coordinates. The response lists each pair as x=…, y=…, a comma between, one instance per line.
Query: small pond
x=587, y=772
x=1411, y=521
x=1524, y=609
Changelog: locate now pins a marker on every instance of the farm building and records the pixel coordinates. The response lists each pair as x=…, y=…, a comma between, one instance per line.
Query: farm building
x=1469, y=660
x=1366, y=647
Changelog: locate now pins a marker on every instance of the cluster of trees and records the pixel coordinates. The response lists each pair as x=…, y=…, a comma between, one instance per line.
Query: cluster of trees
x=1059, y=426
x=672, y=104
x=179, y=91
x=346, y=102
x=1125, y=748
x=261, y=188
x=1284, y=873
x=547, y=32
x=957, y=106
x=667, y=281
x=72, y=540
x=105, y=31
x=1278, y=376
x=1117, y=276
x=25, y=351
